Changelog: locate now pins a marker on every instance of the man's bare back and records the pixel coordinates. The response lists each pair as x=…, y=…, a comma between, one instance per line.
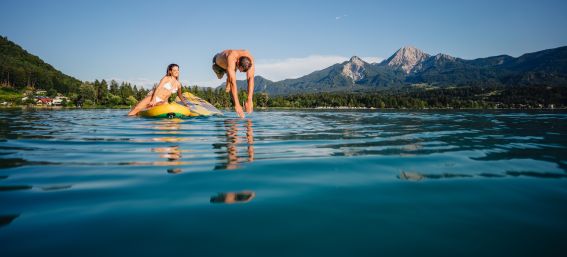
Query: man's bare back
x=222, y=58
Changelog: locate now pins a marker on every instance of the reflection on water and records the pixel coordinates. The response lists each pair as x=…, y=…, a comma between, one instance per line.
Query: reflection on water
x=417, y=176
x=15, y=187
x=174, y=170
x=233, y=143
x=7, y=219
x=233, y=197
x=339, y=180
x=96, y=138
x=172, y=153
x=55, y=187
x=179, y=136
x=167, y=131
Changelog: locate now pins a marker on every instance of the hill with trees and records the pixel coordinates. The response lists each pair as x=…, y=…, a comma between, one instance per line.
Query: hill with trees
x=20, y=69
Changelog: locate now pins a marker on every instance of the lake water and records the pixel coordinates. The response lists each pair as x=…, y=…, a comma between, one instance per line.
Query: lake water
x=284, y=183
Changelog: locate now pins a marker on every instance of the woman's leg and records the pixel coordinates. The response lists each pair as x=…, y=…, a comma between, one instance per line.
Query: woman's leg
x=140, y=106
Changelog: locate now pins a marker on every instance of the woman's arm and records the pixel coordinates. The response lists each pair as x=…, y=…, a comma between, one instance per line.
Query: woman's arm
x=180, y=95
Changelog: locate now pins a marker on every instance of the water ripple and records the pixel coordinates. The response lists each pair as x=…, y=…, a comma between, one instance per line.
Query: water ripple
x=106, y=138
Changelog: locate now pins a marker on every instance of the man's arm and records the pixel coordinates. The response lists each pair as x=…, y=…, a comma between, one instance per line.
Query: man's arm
x=231, y=81
x=250, y=78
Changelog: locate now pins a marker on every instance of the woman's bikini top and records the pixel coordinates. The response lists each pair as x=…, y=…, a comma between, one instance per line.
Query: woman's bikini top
x=170, y=87
x=167, y=86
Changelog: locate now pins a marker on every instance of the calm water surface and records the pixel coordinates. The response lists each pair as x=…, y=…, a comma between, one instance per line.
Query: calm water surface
x=283, y=183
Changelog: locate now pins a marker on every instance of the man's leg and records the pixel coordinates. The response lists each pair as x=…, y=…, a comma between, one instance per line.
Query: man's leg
x=218, y=71
x=227, y=86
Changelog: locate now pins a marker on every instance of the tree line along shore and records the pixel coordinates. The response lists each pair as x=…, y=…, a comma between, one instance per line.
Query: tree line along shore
x=100, y=94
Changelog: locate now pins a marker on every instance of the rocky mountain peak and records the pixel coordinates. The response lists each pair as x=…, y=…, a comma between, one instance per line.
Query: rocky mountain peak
x=354, y=69
x=444, y=57
x=357, y=60
x=407, y=58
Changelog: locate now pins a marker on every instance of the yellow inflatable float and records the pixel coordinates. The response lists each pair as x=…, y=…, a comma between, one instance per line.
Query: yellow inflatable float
x=169, y=110
x=195, y=107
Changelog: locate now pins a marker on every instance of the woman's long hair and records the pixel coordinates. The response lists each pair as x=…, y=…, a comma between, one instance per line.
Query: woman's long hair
x=169, y=68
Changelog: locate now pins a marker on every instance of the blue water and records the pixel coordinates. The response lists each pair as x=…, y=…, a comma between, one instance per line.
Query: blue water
x=284, y=183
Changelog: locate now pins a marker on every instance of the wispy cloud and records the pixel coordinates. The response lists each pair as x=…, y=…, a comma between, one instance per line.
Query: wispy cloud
x=341, y=17
x=372, y=59
x=289, y=68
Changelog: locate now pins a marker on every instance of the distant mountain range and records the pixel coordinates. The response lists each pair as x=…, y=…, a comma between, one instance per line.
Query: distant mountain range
x=410, y=66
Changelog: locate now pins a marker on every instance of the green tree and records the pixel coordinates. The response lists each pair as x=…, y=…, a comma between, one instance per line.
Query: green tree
x=142, y=93
x=87, y=91
x=52, y=92
x=89, y=103
x=114, y=88
x=31, y=100
x=125, y=90
x=262, y=99
x=102, y=92
x=131, y=101
x=115, y=100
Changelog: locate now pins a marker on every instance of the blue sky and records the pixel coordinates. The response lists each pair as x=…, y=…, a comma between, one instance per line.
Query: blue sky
x=135, y=40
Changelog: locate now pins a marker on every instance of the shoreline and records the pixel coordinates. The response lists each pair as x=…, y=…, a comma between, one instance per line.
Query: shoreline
x=281, y=108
